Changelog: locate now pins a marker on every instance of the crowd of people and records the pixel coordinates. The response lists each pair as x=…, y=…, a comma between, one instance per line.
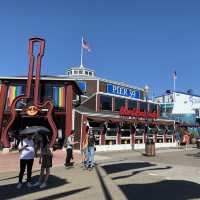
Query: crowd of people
x=29, y=147
x=87, y=150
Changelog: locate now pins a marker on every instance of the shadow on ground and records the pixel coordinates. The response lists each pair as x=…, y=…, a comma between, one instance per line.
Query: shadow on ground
x=119, y=167
x=140, y=171
x=195, y=155
x=64, y=194
x=10, y=191
x=165, y=190
x=13, y=177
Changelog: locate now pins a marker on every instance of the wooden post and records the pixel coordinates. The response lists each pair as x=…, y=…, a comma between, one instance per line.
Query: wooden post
x=2, y=104
x=68, y=109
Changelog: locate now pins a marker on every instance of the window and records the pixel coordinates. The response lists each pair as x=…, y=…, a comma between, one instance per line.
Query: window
x=86, y=72
x=90, y=73
x=132, y=104
x=75, y=72
x=48, y=91
x=105, y=102
x=152, y=107
x=143, y=106
x=119, y=103
x=125, y=130
x=80, y=71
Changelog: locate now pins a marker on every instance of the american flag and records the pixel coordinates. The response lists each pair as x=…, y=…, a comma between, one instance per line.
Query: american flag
x=174, y=75
x=85, y=45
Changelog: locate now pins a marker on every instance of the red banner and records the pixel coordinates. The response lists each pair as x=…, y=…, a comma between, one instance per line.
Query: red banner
x=137, y=113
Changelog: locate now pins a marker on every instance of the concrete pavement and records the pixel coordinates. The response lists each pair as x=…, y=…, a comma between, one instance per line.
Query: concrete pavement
x=171, y=174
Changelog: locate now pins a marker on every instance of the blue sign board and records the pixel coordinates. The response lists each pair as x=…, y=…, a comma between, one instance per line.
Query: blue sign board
x=123, y=91
x=82, y=85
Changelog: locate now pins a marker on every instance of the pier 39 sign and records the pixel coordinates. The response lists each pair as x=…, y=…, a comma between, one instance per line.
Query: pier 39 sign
x=122, y=91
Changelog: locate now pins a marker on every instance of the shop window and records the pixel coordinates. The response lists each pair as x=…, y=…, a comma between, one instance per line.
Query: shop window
x=106, y=102
x=111, y=133
x=165, y=109
x=111, y=129
x=143, y=106
x=170, y=130
x=153, y=107
x=132, y=104
x=125, y=130
x=119, y=103
x=140, y=129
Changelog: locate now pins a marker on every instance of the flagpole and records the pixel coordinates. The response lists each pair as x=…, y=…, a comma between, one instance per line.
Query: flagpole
x=174, y=85
x=81, y=66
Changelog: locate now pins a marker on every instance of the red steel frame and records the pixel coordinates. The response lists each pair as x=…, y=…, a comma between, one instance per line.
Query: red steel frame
x=35, y=98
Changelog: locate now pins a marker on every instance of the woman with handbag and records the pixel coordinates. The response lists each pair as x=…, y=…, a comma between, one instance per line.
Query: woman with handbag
x=46, y=162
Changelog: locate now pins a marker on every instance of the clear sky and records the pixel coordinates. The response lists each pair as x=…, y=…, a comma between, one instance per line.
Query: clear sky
x=135, y=41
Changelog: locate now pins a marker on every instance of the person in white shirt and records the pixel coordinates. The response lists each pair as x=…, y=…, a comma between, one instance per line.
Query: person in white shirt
x=27, y=154
x=69, y=143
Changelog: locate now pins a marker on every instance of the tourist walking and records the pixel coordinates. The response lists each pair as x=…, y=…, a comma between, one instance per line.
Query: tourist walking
x=27, y=153
x=69, y=143
x=177, y=139
x=90, y=151
x=46, y=162
x=186, y=138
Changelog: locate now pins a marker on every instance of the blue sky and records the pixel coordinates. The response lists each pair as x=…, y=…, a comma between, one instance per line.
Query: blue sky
x=135, y=41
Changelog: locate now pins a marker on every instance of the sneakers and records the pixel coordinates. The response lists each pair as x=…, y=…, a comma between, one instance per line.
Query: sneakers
x=37, y=184
x=43, y=185
x=29, y=185
x=19, y=185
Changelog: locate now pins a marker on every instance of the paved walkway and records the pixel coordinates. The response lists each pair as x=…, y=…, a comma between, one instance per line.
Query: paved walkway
x=72, y=183
x=10, y=161
x=117, y=175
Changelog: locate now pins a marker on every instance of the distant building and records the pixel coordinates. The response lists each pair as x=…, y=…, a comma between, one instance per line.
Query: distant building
x=180, y=106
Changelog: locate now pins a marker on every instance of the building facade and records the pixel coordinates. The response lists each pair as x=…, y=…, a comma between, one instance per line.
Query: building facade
x=180, y=106
x=36, y=100
x=120, y=115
